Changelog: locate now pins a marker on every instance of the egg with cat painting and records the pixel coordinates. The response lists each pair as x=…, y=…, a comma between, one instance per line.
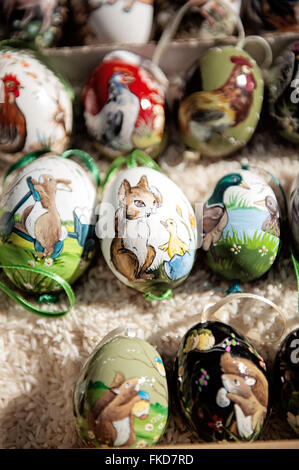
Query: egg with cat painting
x=36, y=109
x=241, y=227
x=121, y=396
x=148, y=230
x=221, y=384
x=47, y=223
x=124, y=105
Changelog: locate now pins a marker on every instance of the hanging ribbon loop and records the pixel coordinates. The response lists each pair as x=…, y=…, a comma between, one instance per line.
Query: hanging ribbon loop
x=26, y=304
x=212, y=310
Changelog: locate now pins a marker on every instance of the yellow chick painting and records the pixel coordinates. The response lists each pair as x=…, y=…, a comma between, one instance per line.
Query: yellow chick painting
x=174, y=246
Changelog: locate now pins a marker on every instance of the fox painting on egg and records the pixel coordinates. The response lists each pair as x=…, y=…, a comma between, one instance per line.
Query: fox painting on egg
x=154, y=240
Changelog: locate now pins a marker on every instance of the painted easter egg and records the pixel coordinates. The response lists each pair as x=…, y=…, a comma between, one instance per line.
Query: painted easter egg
x=38, y=21
x=147, y=229
x=222, y=102
x=294, y=212
x=283, y=97
x=271, y=15
x=35, y=106
x=47, y=222
x=241, y=227
x=221, y=383
x=287, y=379
x=124, y=105
x=121, y=396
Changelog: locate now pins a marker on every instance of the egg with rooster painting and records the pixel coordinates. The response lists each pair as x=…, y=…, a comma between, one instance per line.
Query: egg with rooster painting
x=124, y=105
x=35, y=105
x=221, y=102
x=121, y=395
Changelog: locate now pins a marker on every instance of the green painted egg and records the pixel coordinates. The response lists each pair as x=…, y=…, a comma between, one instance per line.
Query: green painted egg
x=47, y=222
x=222, y=102
x=241, y=227
x=121, y=396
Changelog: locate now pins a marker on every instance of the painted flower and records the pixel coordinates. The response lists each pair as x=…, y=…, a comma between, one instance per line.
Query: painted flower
x=192, y=221
x=31, y=263
x=48, y=261
x=91, y=435
x=141, y=444
x=236, y=249
x=216, y=423
x=263, y=251
x=27, y=285
x=161, y=426
x=272, y=259
x=149, y=427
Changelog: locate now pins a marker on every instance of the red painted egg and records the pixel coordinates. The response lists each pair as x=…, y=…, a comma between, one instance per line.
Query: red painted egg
x=124, y=105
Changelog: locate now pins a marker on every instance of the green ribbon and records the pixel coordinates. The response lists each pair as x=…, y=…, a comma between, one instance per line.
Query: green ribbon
x=166, y=295
x=131, y=161
x=84, y=156
x=26, y=304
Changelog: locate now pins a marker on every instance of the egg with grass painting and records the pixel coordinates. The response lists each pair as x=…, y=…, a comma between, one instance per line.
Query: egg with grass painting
x=121, y=396
x=47, y=223
x=241, y=227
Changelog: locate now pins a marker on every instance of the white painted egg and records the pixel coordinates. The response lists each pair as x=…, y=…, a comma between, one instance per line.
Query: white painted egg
x=147, y=229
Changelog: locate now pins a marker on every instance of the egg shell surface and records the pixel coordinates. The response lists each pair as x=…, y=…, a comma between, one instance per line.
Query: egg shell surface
x=36, y=110
x=47, y=221
x=221, y=383
x=241, y=225
x=147, y=229
x=222, y=102
x=121, y=396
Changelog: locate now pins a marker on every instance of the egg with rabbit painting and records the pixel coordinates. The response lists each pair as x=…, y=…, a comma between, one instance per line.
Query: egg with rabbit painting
x=121, y=395
x=221, y=383
x=47, y=222
x=241, y=227
x=147, y=229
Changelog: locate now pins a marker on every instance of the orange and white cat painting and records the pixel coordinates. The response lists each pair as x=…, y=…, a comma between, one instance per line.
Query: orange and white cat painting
x=131, y=253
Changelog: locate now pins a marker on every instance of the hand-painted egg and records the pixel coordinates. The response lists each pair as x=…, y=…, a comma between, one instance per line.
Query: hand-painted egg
x=294, y=212
x=283, y=97
x=39, y=21
x=124, y=105
x=222, y=102
x=287, y=379
x=221, y=383
x=269, y=16
x=147, y=229
x=121, y=396
x=241, y=227
x=47, y=222
x=117, y=21
x=35, y=107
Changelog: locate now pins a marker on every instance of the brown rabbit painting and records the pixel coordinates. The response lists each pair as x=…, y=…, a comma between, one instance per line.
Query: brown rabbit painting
x=154, y=239
x=47, y=220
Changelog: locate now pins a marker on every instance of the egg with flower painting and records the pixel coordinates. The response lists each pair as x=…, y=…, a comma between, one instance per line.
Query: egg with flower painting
x=221, y=384
x=241, y=227
x=35, y=105
x=148, y=230
x=124, y=105
x=121, y=395
x=47, y=223
x=221, y=103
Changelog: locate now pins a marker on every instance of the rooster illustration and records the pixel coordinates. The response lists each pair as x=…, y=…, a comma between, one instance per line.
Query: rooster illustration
x=12, y=121
x=205, y=112
x=114, y=123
